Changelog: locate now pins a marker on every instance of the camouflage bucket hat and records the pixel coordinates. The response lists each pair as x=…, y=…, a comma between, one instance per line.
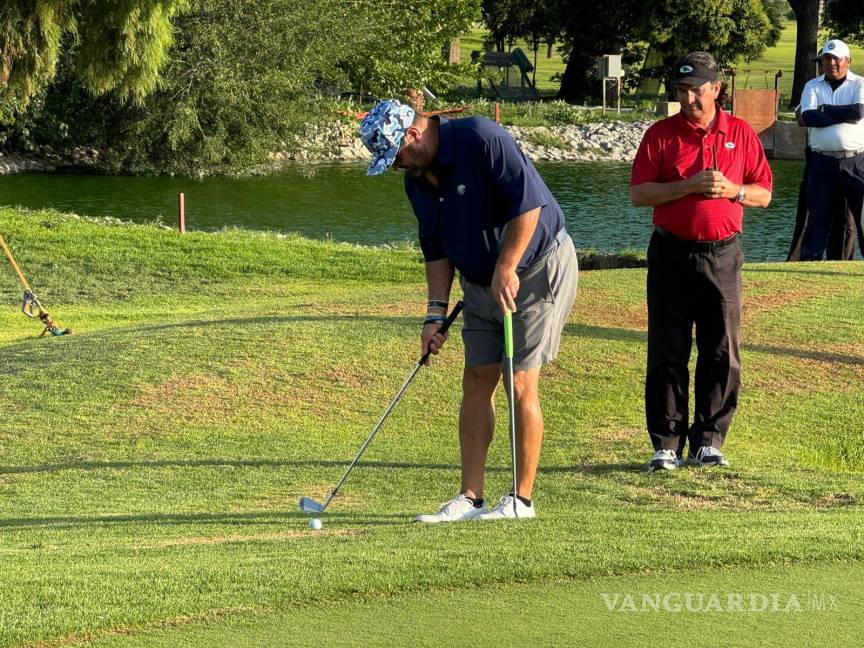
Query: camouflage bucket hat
x=382, y=131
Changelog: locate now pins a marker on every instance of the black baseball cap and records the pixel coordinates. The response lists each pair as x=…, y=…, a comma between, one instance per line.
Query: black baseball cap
x=690, y=72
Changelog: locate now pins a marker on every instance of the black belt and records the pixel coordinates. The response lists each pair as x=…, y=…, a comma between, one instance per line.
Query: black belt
x=694, y=245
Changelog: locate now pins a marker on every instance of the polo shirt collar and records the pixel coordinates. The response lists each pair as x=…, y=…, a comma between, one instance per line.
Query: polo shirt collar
x=445, y=141
x=721, y=124
x=850, y=76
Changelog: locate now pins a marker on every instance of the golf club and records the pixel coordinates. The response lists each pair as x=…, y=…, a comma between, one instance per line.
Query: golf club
x=307, y=504
x=508, y=373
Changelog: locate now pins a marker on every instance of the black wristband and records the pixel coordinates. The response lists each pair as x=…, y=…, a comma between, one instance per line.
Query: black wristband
x=437, y=303
x=433, y=319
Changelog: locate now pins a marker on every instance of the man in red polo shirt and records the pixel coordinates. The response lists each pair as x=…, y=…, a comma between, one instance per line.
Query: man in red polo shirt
x=698, y=170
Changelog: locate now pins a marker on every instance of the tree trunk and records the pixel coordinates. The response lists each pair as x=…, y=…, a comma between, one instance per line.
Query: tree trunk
x=534, y=71
x=806, y=45
x=576, y=81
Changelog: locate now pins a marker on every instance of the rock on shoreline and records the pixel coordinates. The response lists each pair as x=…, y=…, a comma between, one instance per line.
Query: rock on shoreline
x=47, y=159
x=615, y=141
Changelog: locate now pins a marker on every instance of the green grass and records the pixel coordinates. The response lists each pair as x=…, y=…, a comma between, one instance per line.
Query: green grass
x=789, y=606
x=150, y=464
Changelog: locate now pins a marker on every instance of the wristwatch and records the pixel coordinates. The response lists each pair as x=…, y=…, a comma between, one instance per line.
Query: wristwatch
x=741, y=195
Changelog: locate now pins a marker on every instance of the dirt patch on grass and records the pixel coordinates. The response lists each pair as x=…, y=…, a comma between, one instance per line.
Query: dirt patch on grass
x=788, y=374
x=601, y=308
x=189, y=398
x=752, y=306
x=210, y=398
x=691, y=488
x=240, y=538
x=87, y=638
x=355, y=379
x=836, y=500
x=384, y=309
x=618, y=435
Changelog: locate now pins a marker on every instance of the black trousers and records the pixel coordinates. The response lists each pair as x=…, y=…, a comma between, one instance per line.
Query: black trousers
x=692, y=284
x=826, y=178
x=841, y=224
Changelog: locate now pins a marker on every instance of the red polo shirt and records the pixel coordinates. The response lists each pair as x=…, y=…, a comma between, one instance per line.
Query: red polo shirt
x=675, y=149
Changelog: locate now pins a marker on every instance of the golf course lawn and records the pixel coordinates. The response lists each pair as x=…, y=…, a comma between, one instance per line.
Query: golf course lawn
x=151, y=463
x=779, y=606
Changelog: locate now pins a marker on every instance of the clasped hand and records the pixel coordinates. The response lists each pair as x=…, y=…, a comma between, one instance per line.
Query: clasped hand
x=712, y=184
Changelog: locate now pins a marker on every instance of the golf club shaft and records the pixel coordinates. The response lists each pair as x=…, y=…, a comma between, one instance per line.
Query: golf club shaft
x=15, y=265
x=508, y=363
x=372, y=434
x=446, y=325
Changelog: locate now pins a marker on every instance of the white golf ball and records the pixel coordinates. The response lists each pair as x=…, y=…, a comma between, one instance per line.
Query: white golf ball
x=315, y=524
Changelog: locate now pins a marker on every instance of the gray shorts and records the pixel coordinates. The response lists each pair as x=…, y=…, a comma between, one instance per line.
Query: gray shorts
x=547, y=289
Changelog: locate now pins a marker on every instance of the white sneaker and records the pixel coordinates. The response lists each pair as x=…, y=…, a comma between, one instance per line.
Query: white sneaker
x=708, y=456
x=456, y=510
x=664, y=460
x=504, y=510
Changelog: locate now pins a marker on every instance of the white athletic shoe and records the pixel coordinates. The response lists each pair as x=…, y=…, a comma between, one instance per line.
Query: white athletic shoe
x=456, y=510
x=504, y=510
x=664, y=460
x=708, y=456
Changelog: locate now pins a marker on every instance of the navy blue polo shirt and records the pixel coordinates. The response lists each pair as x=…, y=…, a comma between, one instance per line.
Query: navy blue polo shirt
x=484, y=181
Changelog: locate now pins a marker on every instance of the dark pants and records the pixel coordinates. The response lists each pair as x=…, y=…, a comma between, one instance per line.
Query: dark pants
x=692, y=283
x=841, y=224
x=828, y=177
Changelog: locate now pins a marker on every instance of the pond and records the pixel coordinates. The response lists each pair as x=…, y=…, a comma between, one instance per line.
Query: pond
x=337, y=201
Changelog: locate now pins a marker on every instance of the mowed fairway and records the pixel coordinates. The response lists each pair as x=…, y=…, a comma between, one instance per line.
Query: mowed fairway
x=150, y=464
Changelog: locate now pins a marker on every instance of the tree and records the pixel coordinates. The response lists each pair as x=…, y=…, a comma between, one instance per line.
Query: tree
x=244, y=79
x=508, y=20
x=399, y=47
x=729, y=29
x=587, y=32
x=119, y=45
x=806, y=45
x=845, y=19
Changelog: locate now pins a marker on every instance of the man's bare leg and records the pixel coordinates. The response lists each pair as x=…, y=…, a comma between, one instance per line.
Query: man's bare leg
x=477, y=424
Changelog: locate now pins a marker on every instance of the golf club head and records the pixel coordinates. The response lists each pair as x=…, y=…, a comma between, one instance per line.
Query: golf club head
x=308, y=505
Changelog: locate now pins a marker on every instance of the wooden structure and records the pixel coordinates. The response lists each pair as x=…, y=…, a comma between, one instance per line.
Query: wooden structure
x=503, y=63
x=759, y=109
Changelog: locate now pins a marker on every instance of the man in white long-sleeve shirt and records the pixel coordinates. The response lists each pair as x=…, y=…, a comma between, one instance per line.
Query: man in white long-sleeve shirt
x=832, y=108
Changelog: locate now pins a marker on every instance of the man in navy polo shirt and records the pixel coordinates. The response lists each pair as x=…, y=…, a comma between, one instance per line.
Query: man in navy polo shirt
x=482, y=209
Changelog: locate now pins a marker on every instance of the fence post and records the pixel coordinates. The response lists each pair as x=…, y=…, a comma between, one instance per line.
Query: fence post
x=181, y=205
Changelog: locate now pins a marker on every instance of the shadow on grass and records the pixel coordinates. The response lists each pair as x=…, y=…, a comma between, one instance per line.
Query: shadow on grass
x=606, y=469
x=215, y=518
x=218, y=463
x=125, y=331
x=275, y=319
x=605, y=333
x=632, y=335
x=797, y=270
x=277, y=463
x=805, y=354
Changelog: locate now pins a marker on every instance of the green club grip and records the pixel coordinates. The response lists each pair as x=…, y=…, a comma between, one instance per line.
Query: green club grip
x=508, y=334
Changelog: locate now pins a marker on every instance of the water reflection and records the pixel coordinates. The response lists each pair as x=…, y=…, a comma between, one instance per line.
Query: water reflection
x=338, y=201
